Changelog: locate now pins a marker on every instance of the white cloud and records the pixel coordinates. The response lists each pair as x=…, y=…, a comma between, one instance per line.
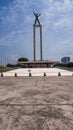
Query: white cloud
x=20, y=5
x=7, y=39
x=64, y=22
x=57, y=15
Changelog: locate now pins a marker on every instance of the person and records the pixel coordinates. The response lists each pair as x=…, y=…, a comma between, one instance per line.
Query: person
x=37, y=20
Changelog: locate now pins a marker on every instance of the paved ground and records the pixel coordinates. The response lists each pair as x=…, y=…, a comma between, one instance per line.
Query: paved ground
x=36, y=103
x=38, y=72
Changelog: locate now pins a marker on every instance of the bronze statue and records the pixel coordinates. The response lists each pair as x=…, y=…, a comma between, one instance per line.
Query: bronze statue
x=36, y=16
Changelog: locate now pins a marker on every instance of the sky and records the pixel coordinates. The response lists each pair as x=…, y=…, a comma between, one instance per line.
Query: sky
x=16, y=29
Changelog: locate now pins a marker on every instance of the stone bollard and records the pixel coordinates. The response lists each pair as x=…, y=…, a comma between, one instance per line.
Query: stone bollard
x=15, y=74
x=30, y=75
x=1, y=74
x=59, y=74
x=44, y=74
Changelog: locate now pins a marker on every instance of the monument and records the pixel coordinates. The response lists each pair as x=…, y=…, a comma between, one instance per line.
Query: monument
x=37, y=63
x=37, y=25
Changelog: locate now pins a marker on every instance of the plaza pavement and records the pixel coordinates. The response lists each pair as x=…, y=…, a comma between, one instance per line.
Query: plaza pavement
x=36, y=103
x=38, y=72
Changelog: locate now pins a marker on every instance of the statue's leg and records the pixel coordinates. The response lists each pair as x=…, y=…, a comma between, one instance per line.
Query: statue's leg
x=38, y=21
x=35, y=21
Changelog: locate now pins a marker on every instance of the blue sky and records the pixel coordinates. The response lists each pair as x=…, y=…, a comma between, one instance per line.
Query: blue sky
x=16, y=28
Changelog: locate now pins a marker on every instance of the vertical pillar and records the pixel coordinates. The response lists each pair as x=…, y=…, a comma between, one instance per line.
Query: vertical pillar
x=34, y=41
x=41, y=42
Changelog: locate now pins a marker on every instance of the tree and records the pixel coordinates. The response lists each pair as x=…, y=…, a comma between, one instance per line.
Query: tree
x=10, y=65
x=23, y=59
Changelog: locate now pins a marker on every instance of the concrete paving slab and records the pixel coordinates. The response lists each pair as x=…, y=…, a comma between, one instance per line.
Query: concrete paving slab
x=36, y=103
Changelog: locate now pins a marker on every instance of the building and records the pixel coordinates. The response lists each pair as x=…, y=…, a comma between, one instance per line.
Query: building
x=38, y=64
x=65, y=60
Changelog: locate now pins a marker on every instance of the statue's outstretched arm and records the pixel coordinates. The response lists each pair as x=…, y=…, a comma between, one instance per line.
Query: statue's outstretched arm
x=34, y=13
x=39, y=15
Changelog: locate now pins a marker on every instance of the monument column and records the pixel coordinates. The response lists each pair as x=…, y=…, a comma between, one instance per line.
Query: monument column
x=37, y=25
x=34, y=43
x=41, y=42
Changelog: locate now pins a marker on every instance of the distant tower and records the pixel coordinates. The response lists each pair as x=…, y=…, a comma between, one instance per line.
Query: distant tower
x=37, y=25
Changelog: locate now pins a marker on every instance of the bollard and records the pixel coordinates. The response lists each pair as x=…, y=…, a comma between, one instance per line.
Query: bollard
x=44, y=74
x=15, y=74
x=59, y=74
x=1, y=74
x=30, y=75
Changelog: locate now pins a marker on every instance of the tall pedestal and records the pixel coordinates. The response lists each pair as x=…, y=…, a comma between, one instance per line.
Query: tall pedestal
x=34, y=41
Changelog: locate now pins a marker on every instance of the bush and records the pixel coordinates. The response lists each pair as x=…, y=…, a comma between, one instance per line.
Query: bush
x=2, y=67
x=64, y=65
x=10, y=65
x=70, y=64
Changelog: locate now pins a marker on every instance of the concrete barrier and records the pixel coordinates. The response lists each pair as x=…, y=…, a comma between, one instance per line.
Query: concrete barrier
x=44, y=74
x=30, y=74
x=15, y=74
x=2, y=74
x=59, y=74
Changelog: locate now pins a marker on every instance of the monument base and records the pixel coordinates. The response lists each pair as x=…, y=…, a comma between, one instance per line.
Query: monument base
x=38, y=64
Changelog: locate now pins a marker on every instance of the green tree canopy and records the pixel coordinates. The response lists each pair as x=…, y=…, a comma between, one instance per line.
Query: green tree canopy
x=23, y=59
